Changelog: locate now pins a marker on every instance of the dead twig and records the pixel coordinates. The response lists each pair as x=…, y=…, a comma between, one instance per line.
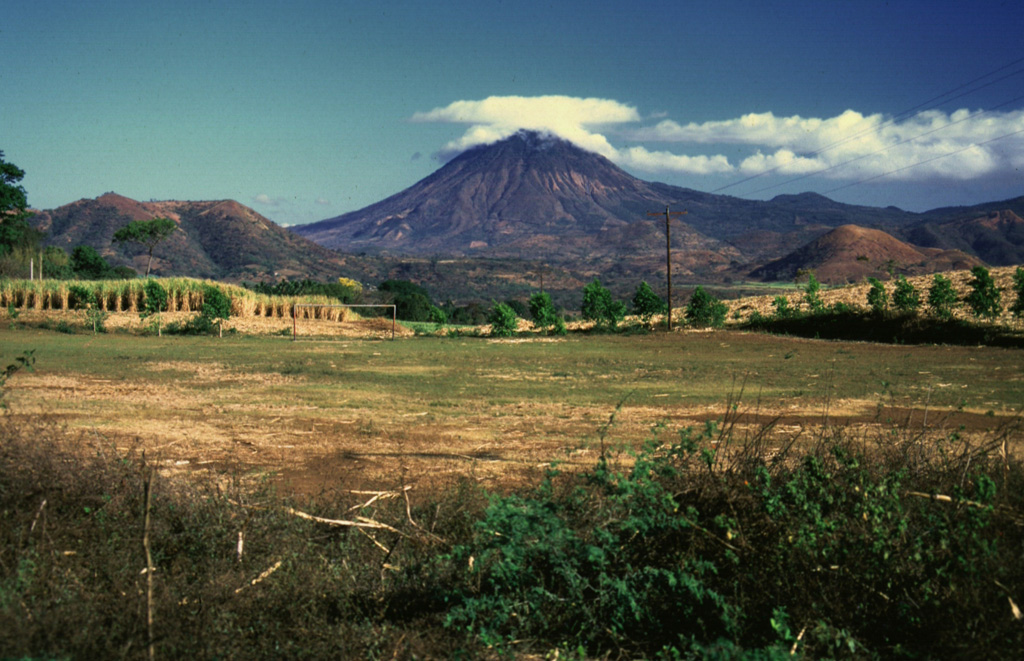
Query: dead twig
x=361, y=522
x=38, y=514
x=261, y=577
x=151, y=645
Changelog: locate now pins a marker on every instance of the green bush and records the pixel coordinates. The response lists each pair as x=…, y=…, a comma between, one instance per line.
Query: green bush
x=605, y=566
x=87, y=264
x=600, y=308
x=705, y=310
x=215, y=310
x=81, y=298
x=905, y=297
x=1018, y=288
x=155, y=298
x=412, y=302
x=878, y=298
x=983, y=299
x=545, y=316
x=812, y=295
x=647, y=304
x=503, y=320
x=942, y=297
x=782, y=308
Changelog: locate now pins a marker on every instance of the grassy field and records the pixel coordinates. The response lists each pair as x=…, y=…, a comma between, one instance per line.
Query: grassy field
x=429, y=409
x=253, y=497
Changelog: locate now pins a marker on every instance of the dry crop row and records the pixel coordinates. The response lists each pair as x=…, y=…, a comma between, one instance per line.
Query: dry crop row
x=183, y=295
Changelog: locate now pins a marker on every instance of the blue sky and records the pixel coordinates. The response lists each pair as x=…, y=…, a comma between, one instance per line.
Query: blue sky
x=308, y=109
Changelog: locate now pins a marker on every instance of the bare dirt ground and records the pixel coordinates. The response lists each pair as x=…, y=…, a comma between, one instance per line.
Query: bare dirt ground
x=365, y=414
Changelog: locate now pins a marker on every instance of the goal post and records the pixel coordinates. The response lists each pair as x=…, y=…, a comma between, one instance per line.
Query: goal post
x=314, y=316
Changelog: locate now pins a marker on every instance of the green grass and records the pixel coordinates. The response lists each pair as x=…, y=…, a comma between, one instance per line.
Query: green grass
x=652, y=370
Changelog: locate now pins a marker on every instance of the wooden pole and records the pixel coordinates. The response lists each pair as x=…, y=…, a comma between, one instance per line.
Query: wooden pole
x=668, y=254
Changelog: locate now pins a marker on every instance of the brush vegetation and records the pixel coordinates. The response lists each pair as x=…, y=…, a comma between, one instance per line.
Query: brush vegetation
x=706, y=542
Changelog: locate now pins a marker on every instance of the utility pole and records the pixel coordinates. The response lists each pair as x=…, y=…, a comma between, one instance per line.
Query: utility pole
x=668, y=253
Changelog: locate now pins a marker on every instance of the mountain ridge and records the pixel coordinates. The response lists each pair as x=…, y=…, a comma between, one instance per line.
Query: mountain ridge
x=219, y=239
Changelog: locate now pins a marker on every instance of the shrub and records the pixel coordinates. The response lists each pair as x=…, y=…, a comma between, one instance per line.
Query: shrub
x=942, y=297
x=812, y=295
x=412, y=302
x=520, y=308
x=438, y=316
x=156, y=298
x=88, y=264
x=604, y=566
x=216, y=304
x=1018, y=288
x=646, y=303
x=782, y=309
x=215, y=310
x=983, y=299
x=705, y=310
x=878, y=298
x=600, y=307
x=81, y=298
x=905, y=297
x=503, y=320
x=545, y=316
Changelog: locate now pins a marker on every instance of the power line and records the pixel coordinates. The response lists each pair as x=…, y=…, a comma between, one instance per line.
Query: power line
x=897, y=117
x=887, y=147
x=927, y=160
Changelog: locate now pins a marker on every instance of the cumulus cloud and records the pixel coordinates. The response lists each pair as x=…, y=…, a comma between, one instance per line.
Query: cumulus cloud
x=498, y=117
x=266, y=200
x=850, y=146
x=959, y=145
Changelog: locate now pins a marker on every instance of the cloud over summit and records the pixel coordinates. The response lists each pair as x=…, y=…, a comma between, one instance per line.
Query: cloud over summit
x=851, y=146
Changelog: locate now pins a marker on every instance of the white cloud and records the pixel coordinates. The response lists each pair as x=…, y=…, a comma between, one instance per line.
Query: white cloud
x=958, y=145
x=850, y=146
x=323, y=201
x=266, y=200
x=498, y=117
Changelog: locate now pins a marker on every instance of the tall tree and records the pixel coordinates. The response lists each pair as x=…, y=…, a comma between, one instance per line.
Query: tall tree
x=17, y=238
x=147, y=232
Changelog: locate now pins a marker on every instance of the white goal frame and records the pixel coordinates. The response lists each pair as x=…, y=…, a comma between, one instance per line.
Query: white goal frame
x=295, y=316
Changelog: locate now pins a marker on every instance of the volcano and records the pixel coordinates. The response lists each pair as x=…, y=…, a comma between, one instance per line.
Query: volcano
x=535, y=196
x=531, y=196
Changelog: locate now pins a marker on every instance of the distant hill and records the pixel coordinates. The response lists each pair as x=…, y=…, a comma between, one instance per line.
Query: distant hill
x=536, y=196
x=851, y=253
x=219, y=239
x=996, y=235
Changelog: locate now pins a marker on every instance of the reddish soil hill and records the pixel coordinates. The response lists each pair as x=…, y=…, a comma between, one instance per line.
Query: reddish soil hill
x=850, y=253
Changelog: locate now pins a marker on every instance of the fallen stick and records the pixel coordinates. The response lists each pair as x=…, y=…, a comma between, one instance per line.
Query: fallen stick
x=261, y=577
x=362, y=522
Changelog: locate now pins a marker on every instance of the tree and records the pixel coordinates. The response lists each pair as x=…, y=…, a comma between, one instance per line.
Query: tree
x=87, y=264
x=942, y=297
x=18, y=239
x=12, y=195
x=812, y=296
x=412, y=302
x=646, y=303
x=878, y=299
x=544, y=314
x=600, y=307
x=782, y=309
x=503, y=320
x=147, y=232
x=905, y=297
x=705, y=310
x=1018, y=288
x=983, y=299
